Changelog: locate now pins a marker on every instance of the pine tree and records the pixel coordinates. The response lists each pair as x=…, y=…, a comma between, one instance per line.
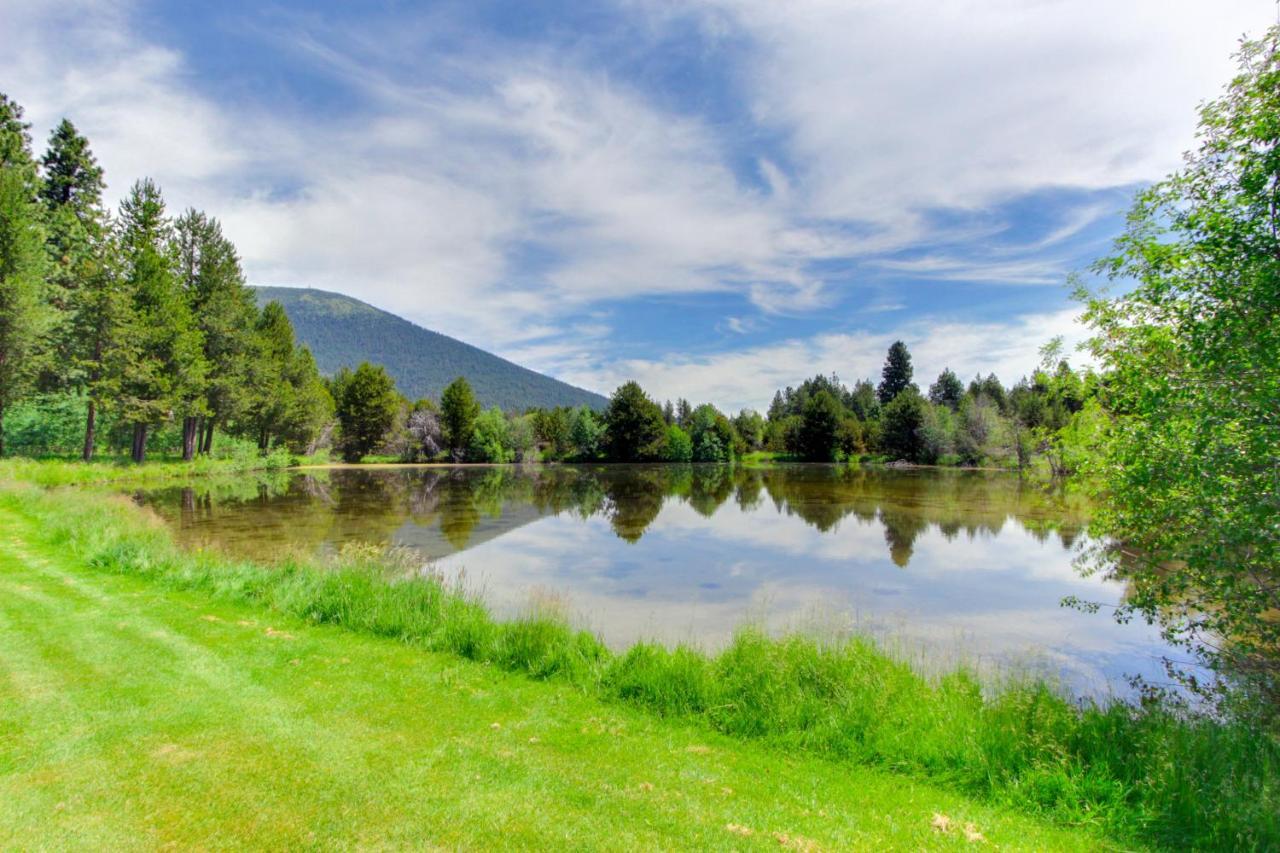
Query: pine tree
x=24, y=317
x=85, y=290
x=224, y=310
x=166, y=375
x=896, y=376
x=947, y=391
x=270, y=400
x=684, y=413
x=366, y=410
x=458, y=412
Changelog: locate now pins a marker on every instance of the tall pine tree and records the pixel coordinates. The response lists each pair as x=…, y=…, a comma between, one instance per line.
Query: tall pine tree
x=896, y=376
x=84, y=290
x=166, y=377
x=224, y=311
x=23, y=313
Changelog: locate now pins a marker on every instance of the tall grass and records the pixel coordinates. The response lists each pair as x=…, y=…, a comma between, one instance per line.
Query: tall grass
x=1145, y=773
x=234, y=458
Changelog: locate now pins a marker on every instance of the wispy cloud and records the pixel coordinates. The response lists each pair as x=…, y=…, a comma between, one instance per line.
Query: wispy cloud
x=500, y=188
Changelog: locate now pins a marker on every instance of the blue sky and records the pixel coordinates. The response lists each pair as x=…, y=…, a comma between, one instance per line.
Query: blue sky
x=715, y=197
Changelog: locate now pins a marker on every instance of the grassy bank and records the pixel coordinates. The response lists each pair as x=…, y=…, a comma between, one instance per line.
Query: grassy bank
x=137, y=711
x=1146, y=775
x=69, y=471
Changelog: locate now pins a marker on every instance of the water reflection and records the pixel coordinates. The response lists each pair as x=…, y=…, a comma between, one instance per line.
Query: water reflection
x=947, y=562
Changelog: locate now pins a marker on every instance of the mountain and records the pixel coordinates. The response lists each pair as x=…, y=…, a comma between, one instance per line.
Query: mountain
x=342, y=332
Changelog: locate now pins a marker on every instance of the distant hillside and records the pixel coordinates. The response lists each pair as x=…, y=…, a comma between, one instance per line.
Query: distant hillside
x=342, y=332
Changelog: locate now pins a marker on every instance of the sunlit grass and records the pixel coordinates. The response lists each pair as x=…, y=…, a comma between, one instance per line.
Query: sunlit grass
x=107, y=469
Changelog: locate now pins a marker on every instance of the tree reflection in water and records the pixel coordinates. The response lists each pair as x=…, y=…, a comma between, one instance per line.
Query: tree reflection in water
x=322, y=510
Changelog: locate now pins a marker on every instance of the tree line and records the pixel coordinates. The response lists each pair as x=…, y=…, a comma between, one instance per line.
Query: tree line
x=135, y=315
x=1053, y=414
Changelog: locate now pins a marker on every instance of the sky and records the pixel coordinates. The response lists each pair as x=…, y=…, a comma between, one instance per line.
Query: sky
x=714, y=197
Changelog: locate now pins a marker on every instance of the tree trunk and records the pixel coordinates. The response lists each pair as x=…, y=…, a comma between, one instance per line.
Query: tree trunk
x=1, y=430
x=206, y=437
x=139, y=443
x=264, y=439
x=90, y=430
x=189, y=425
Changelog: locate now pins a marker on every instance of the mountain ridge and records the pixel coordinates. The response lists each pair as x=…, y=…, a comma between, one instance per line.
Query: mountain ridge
x=342, y=331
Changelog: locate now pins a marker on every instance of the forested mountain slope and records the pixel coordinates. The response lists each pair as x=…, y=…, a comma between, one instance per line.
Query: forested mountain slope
x=342, y=332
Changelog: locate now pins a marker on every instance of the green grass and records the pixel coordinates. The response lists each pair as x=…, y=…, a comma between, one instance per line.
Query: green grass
x=134, y=714
x=73, y=471
x=1137, y=775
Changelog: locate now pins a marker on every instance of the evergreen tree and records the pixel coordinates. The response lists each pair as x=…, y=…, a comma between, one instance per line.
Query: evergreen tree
x=634, y=429
x=902, y=424
x=271, y=394
x=990, y=387
x=86, y=290
x=166, y=376
x=777, y=408
x=313, y=407
x=818, y=436
x=71, y=190
x=896, y=376
x=24, y=317
x=224, y=311
x=684, y=413
x=366, y=410
x=947, y=391
x=458, y=413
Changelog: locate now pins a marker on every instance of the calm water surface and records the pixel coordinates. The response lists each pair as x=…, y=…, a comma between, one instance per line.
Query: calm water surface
x=947, y=565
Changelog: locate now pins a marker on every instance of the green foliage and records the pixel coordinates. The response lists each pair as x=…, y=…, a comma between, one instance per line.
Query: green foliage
x=712, y=435
x=818, y=435
x=42, y=425
x=750, y=428
x=1192, y=354
x=896, y=376
x=978, y=429
x=286, y=400
x=224, y=311
x=342, y=332
x=586, y=433
x=902, y=424
x=458, y=412
x=679, y=447
x=165, y=373
x=490, y=438
x=947, y=390
x=366, y=407
x=553, y=428
x=634, y=428
x=24, y=315
x=936, y=434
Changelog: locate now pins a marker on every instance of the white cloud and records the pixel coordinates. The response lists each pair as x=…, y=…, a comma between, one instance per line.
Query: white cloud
x=458, y=162
x=900, y=105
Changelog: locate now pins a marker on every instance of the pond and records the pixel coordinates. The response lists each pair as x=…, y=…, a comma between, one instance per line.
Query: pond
x=945, y=566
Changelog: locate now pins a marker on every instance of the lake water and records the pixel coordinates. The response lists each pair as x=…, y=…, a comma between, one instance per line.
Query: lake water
x=946, y=566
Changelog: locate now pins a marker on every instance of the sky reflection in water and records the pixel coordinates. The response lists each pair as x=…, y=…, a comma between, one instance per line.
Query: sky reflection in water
x=947, y=565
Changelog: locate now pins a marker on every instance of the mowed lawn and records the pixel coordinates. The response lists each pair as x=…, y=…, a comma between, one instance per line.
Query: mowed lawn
x=135, y=717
